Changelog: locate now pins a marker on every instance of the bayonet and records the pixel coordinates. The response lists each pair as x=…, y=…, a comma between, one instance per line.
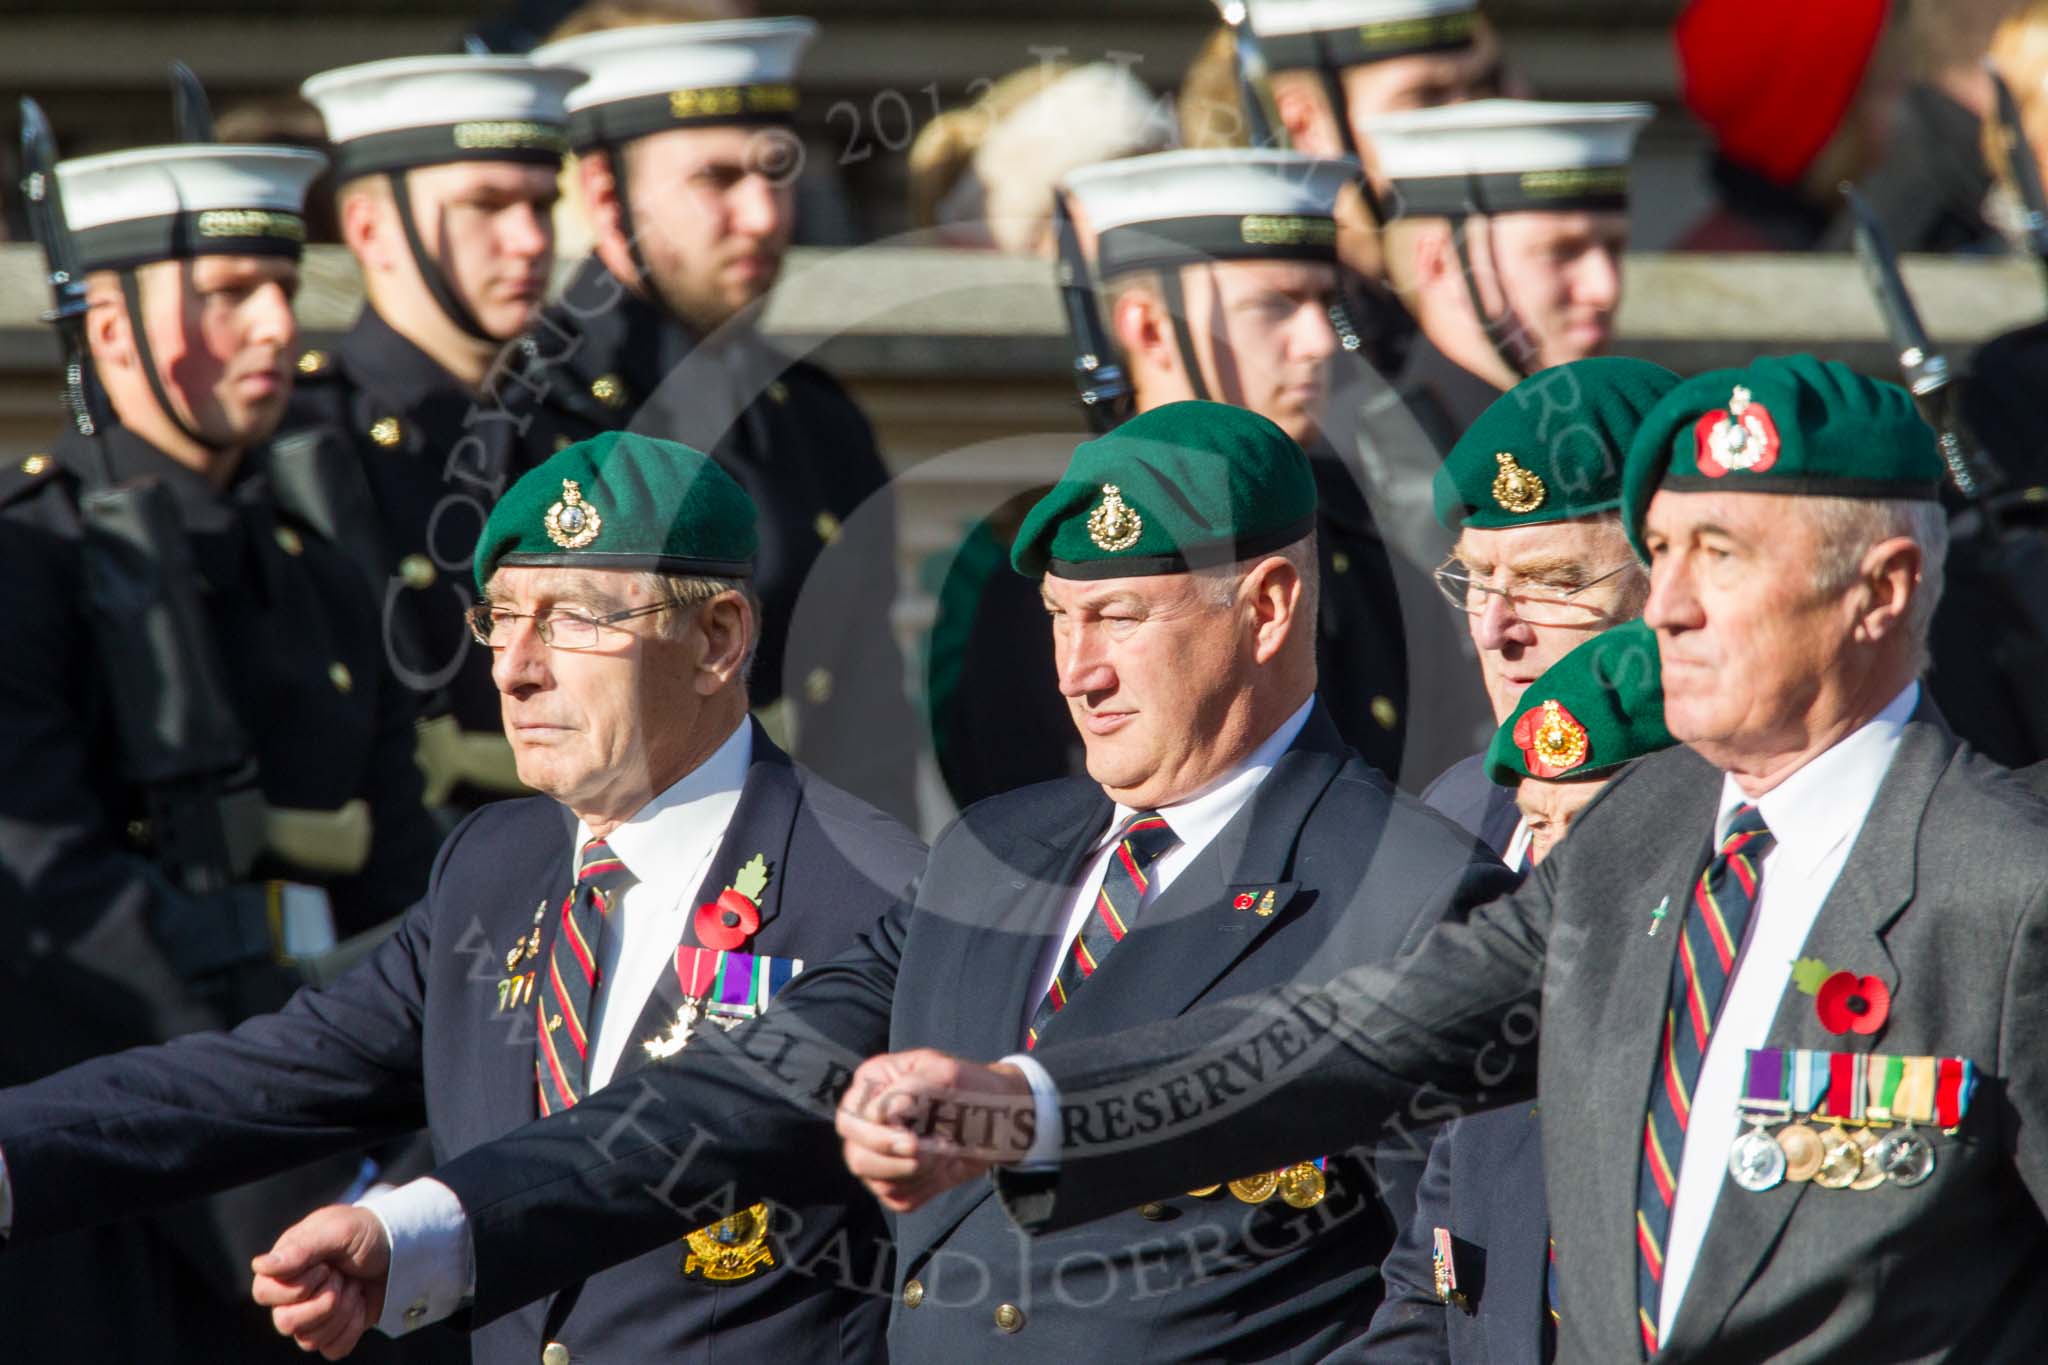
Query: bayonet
x=1924, y=368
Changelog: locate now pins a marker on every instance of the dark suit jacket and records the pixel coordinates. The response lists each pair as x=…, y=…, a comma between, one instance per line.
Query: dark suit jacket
x=1483, y=1183
x=415, y=1035
x=1944, y=897
x=1355, y=872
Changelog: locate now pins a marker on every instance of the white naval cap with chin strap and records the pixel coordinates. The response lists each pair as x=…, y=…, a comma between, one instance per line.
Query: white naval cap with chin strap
x=389, y=117
x=1172, y=209
x=1507, y=156
x=127, y=209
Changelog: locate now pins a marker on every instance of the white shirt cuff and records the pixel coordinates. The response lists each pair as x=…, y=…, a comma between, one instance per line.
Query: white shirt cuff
x=432, y=1267
x=1044, y=1152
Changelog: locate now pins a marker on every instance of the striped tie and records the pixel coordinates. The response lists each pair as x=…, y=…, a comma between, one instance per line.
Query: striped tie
x=561, y=1060
x=1145, y=841
x=1714, y=923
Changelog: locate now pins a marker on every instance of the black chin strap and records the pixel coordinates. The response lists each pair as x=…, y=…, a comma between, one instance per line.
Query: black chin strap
x=436, y=279
x=131, y=293
x=1340, y=110
x=1504, y=333
x=643, y=278
x=1177, y=309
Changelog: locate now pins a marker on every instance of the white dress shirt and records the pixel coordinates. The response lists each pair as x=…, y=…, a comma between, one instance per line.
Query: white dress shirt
x=1196, y=821
x=668, y=846
x=1815, y=816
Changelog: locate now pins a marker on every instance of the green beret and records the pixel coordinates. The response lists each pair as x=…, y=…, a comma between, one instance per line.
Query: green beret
x=1592, y=711
x=1183, y=486
x=1782, y=424
x=1552, y=447
x=623, y=501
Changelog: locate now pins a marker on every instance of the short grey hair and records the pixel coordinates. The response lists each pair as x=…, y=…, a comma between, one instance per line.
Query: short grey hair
x=1221, y=583
x=684, y=593
x=1848, y=527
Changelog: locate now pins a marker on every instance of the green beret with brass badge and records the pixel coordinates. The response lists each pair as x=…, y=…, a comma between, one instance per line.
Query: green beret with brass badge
x=1782, y=424
x=621, y=500
x=1597, y=708
x=1552, y=447
x=1184, y=486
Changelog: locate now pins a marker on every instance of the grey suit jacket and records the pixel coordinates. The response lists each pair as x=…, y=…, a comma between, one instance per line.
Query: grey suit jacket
x=1944, y=897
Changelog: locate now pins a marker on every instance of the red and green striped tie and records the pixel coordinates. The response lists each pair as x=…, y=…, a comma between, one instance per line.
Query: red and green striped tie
x=569, y=985
x=1714, y=923
x=1145, y=840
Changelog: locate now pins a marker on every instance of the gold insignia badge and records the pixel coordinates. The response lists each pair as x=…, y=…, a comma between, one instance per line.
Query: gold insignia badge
x=609, y=390
x=312, y=362
x=1516, y=489
x=1551, y=740
x=1114, y=524
x=35, y=465
x=386, y=432
x=734, y=1248
x=417, y=571
x=573, y=523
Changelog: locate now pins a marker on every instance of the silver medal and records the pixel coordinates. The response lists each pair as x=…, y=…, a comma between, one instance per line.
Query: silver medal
x=1756, y=1161
x=1905, y=1157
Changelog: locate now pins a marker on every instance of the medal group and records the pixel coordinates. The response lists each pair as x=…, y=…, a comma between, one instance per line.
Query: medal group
x=1849, y=1119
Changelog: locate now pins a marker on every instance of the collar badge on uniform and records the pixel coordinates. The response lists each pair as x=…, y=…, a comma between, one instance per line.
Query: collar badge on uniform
x=1551, y=740
x=1114, y=524
x=572, y=523
x=1740, y=437
x=1516, y=489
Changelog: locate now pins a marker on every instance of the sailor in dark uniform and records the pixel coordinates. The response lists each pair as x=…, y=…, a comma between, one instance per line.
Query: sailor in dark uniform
x=1469, y=1281
x=211, y=767
x=1218, y=269
x=1510, y=222
x=447, y=168
x=686, y=164
x=677, y=873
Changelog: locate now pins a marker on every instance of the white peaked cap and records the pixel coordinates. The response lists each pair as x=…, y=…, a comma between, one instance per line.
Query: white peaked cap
x=1178, y=207
x=415, y=111
x=159, y=203
x=675, y=75
x=1505, y=155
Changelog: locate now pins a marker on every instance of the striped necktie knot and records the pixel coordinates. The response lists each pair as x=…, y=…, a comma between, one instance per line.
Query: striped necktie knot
x=1747, y=833
x=1144, y=840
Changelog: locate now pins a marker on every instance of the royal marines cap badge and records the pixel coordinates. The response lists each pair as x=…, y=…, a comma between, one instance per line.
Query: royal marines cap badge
x=1114, y=524
x=572, y=523
x=1551, y=740
x=1516, y=489
x=1740, y=437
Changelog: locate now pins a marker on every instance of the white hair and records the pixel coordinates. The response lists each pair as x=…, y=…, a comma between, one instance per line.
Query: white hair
x=683, y=593
x=1848, y=527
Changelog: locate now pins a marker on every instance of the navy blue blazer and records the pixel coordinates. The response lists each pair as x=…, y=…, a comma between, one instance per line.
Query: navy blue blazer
x=416, y=1036
x=1483, y=1183
x=1326, y=864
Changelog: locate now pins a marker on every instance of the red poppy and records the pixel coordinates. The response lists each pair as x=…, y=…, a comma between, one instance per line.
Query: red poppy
x=1848, y=1003
x=728, y=922
x=1243, y=901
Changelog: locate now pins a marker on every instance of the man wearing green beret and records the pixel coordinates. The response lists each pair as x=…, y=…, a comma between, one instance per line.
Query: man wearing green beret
x=1468, y=1281
x=1532, y=491
x=1224, y=840
x=1780, y=988
x=676, y=872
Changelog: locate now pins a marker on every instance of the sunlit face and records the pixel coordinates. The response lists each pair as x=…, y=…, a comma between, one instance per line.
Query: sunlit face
x=1156, y=677
x=1545, y=561
x=1747, y=642
x=490, y=227
x=714, y=209
x=1561, y=273
x=1548, y=808
x=223, y=336
x=597, y=729
x=1264, y=331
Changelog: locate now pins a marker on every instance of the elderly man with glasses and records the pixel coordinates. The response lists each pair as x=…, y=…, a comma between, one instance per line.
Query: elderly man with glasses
x=1533, y=492
x=677, y=871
